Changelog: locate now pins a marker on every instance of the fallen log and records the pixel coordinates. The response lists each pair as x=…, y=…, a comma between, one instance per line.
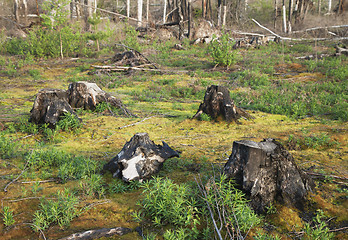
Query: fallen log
x=98, y=233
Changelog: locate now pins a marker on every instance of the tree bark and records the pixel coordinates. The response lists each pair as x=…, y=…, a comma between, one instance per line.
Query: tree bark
x=219, y=12
x=16, y=11
x=128, y=8
x=189, y=19
x=284, y=17
x=164, y=11
x=225, y=13
x=86, y=13
x=140, y=12
x=329, y=6
x=290, y=15
x=147, y=10
x=275, y=13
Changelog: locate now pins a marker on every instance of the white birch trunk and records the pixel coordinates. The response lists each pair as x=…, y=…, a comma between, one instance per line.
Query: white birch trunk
x=164, y=11
x=329, y=6
x=284, y=18
x=128, y=7
x=219, y=14
x=140, y=12
x=95, y=5
x=224, y=16
x=147, y=10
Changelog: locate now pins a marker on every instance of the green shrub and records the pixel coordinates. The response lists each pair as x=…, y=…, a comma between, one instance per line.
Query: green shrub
x=119, y=186
x=34, y=73
x=58, y=211
x=93, y=185
x=222, y=51
x=50, y=157
x=69, y=121
x=77, y=168
x=165, y=202
x=222, y=196
x=8, y=147
x=318, y=230
x=7, y=215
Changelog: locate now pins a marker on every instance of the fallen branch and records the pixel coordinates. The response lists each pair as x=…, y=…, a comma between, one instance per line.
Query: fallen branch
x=106, y=11
x=25, y=168
x=98, y=233
x=320, y=175
x=299, y=39
x=43, y=181
x=317, y=28
x=320, y=56
x=136, y=123
x=23, y=199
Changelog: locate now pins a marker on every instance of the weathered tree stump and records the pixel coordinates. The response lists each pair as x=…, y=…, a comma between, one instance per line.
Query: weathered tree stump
x=139, y=159
x=217, y=102
x=267, y=172
x=88, y=95
x=49, y=106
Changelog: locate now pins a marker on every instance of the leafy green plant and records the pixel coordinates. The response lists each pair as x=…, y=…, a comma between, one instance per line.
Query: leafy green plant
x=265, y=236
x=77, y=168
x=119, y=186
x=319, y=230
x=7, y=216
x=69, y=121
x=222, y=196
x=34, y=73
x=59, y=211
x=93, y=185
x=165, y=202
x=222, y=52
x=8, y=147
x=205, y=117
x=35, y=188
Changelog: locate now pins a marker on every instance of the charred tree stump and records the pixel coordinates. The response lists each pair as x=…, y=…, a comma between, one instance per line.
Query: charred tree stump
x=267, y=172
x=88, y=95
x=139, y=159
x=217, y=102
x=49, y=106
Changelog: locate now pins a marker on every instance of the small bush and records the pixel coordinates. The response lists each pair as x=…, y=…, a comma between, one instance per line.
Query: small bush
x=165, y=202
x=93, y=186
x=77, y=168
x=318, y=230
x=8, y=148
x=7, y=216
x=69, y=121
x=59, y=211
x=222, y=52
x=119, y=186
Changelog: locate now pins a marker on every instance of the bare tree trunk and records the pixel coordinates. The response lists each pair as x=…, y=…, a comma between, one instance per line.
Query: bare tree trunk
x=86, y=13
x=275, y=13
x=189, y=19
x=72, y=3
x=284, y=17
x=225, y=13
x=319, y=7
x=25, y=6
x=128, y=7
x=16, y=10
x=329, y=6
x=204, y=8
x=140, y=12
x=147, y=10
x=290, y=15
x=219, y=12
x=181, y=20
x=164, y=11
x=37, y=8
x=95, y=5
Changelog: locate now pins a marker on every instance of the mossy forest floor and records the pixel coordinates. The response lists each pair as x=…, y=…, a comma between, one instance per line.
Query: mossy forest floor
x=302, y=103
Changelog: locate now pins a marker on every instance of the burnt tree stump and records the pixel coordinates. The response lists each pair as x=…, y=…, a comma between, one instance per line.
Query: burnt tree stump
x=49, y=105
x=88, y=95
x=217, y=102
x=139, y=159
x=267, y=172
